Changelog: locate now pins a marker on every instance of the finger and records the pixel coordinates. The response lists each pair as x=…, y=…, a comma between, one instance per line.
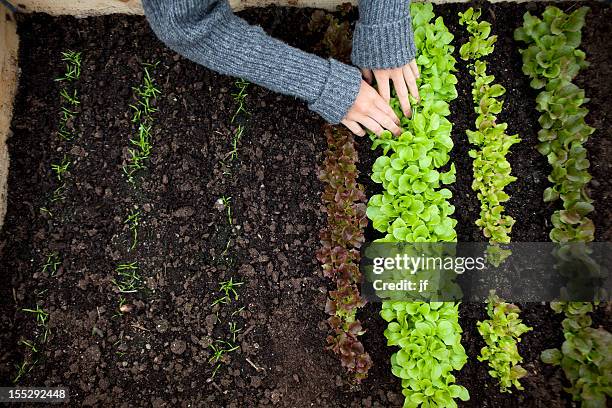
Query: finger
x=354, y=127
x=367, y=75
x=370, y=124
x=411, y=82
x=388, y=110
x=383, y=86
x=387, y=122
x=415, y=69
x=402, y=93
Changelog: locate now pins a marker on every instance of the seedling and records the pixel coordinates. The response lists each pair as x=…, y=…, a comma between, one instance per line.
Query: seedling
x=22, y=370
x=129, y=280
x=61, y=168
x=71, y=99
x=73, y=66
x=30, y=344
x=42, y=317
x=235, y=312
x=501, y=333
x=45, y=210
x=234, y=330
x=239, y=98
x=229, y=288
x=233, y=154
x=219, y=352
x=133, y=221
x=52, y=264
x=226, y=201
x=142, y=110
x=59, y=194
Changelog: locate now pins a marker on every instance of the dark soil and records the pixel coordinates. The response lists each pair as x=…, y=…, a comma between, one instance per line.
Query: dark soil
x=157, y=354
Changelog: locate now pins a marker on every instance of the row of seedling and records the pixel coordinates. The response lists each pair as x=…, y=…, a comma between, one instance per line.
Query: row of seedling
x=128, y=279
x=69, y=109
x=414, y=207
x=552, y=60
x=221, y=349
x=503, y=329
x=142, y=110
x=344, y=201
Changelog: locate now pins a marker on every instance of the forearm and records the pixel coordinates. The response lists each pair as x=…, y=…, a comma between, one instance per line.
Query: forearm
x=207, y=32
x=383, y=36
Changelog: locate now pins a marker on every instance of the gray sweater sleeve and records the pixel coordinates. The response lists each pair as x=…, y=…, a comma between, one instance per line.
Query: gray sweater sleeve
x=208, y=32
x=383, y=35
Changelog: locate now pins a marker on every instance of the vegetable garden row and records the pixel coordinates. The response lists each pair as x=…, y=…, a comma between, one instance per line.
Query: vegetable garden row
x=167, y=243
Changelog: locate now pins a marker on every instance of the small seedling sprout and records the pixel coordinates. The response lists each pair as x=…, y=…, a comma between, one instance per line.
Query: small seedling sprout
x=42, y=317
x=52, y=264
x=239, y=98
x=227, y=204
x=60, y=168
x=129, y=280
x=73, y=66
x=133, y=221
x=71, y=99
x=30, y=344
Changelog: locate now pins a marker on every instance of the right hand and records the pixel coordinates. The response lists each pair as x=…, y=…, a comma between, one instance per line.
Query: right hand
x=372, y=112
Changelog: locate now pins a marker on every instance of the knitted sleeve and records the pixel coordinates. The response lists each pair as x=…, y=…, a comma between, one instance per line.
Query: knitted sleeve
x=383, y=35
x=208, y=32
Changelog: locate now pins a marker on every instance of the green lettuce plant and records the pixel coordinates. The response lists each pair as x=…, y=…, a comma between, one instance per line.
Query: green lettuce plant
x=501, y=332
x=584, y=356
x=414, y=207
x=481, y=41
x=552, y=60
x=491, y=168
x=344, y=201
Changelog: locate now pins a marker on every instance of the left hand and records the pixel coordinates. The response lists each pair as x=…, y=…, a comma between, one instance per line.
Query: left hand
x=404, y=80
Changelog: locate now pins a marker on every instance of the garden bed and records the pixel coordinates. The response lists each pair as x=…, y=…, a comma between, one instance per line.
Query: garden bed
x=157, y=351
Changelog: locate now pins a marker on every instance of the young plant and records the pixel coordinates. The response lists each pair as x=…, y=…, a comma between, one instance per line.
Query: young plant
x=584, y=356
x=414, y=208
x=344, y=201
x=133, y=221
x=52, y=264
x=73, y=66
x=61, y=168
x=239, y=98
x=129, y=280
x=142, y=112
x=71, y=99
x=491, y=168
x=228, y=289
x=42, y=319
x=501, y=333
x=552, y=60
x=226, y=202
x=481, y=42
x=220, y=353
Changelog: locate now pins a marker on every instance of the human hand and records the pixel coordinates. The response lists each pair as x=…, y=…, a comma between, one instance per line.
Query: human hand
x=404, y=80
x=371, y=111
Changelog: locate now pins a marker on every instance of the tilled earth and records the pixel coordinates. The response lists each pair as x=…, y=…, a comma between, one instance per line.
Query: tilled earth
x=157, y=353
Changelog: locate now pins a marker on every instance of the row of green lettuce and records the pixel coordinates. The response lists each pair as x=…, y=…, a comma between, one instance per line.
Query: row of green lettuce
x=552, y=60
x=503, y=329
x=414, y=207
